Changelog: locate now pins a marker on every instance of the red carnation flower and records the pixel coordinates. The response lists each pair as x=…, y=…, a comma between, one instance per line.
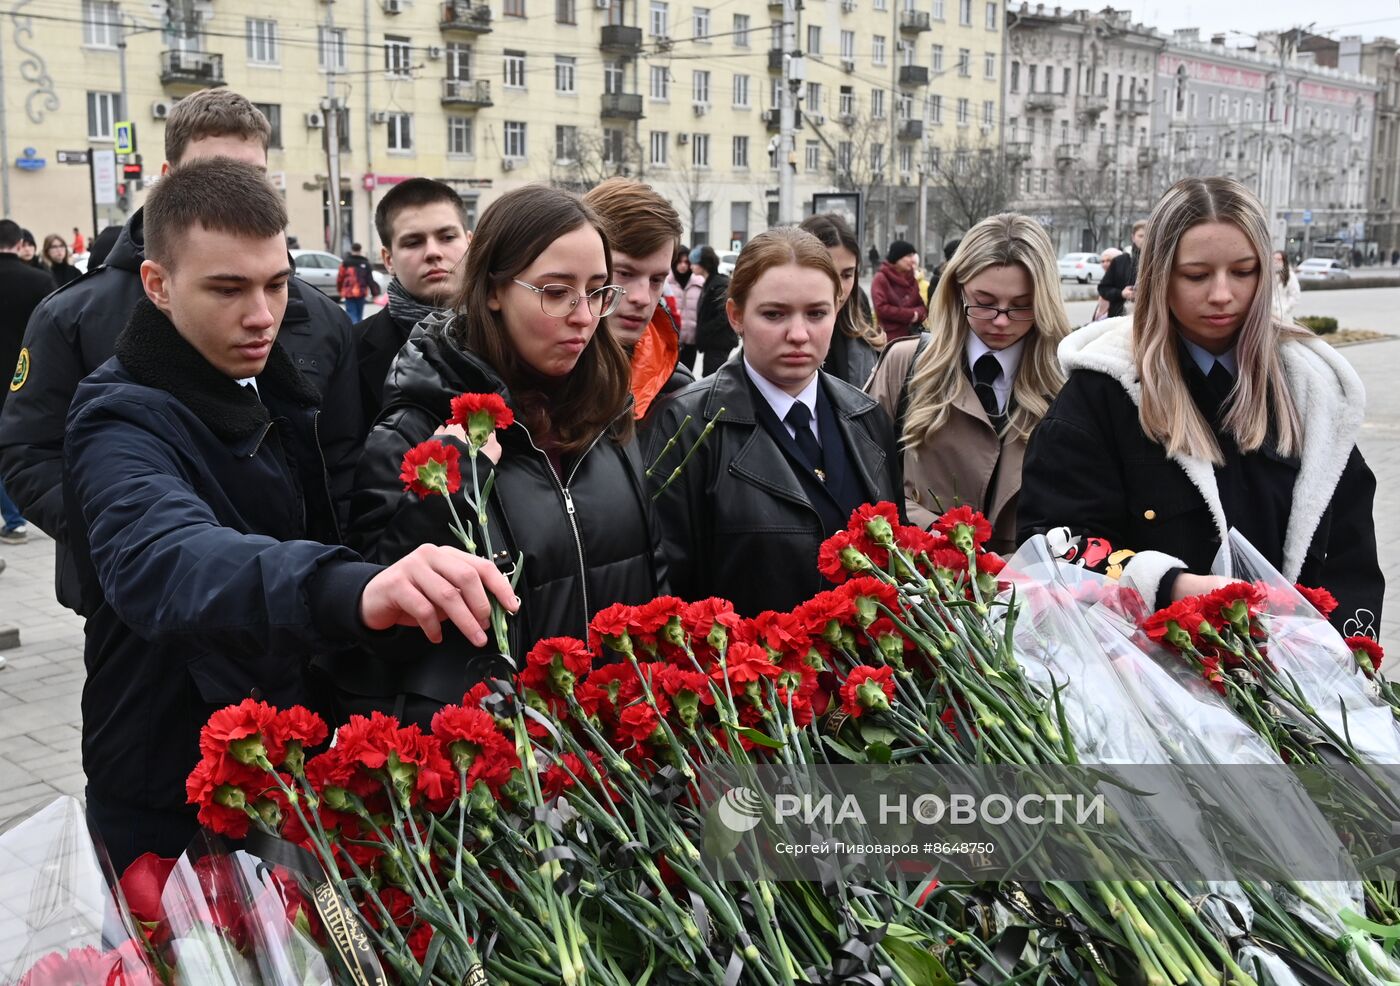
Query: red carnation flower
x=88, y=966
x=869, y=594
x=867, y=688
x=432, y=468
x=1367, y=652
x=817, y=613
x=744, y=663
x=965, y=527
x=1178, y=625
x=418, y=941
x=480, y=415
x=875, y=522
x=142, y=885
x=236, y=731
x=610, y=626
x=1319, y=599
x=554, y=666
x=1234, y=603
x=638, y=723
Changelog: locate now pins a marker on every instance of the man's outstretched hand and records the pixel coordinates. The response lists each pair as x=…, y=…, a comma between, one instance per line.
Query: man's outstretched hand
x=434, y=585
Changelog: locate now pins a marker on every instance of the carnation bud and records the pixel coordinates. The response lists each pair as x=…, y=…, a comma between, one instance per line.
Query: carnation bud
x=878, y=527
x=673, y=633
x=871, y=695
x=248, y=750
x=230, y=796
x=854, y=561
x=295, y=758
x=718, y=637
x=336, y=798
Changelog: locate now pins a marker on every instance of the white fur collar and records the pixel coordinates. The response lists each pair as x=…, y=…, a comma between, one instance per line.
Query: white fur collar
x=1327, y=392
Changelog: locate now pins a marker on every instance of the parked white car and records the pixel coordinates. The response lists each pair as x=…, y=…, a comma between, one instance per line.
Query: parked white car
x=1082, y=267
x=1322, y=269
x=319, y=269
x=727, y=262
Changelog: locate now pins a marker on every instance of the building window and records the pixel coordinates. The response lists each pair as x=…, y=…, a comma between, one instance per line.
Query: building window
x=513, y=138
x=741, y=91
x=565, y=12
x=660, y=82
x=565, y=73
x=882, y=5
x=459, y=61
x=848, y=45
x=964, y=111
x=700, y=223
x=989, y=112
x=740, y=155
x=700, y=87
x=845, y=156
x=660, y=140
x=612, y=78
x=459, y=136
x=513, y=8
x=989, y=65
x=991, y=17
x=814, y=97
x=330, y=48
x=565, y=145
x=261, y=36
x=1015, y=83
x=938, y=10
x=700, y=150
x=965, y=13
x=700, y=23
x=400, y=131
x=812, y=155
x=877, y=49
x=273, y=112
x=1069, y=79
x=741, y=30
x=104, y=109
x=846, y=101
x=964, y=62
x=398, y=56
x=906, y=158
x=814, y=39
x=514, y=69
x=660, y=19
x=614, y=146
x=935, y=110
x=877, y=104
x=937, y=58
x=877, y=158
x=101, y=24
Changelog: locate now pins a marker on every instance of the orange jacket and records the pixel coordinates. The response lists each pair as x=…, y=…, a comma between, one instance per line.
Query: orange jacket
x=654, y=359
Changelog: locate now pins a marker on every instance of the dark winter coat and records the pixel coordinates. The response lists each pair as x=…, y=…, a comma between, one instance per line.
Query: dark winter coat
x=378, y=340
x=64, y=272
x=898, y=305
x=741, y=521
x=195, y=511
x=712, y=329
x=587, y=537
x=1090, y=472
x=1121, y=273
x=23, y=288
x=74, y=331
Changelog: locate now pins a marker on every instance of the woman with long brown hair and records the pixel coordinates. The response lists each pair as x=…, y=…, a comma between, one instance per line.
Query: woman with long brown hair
x=794, y=450
x=856, y=342
x=1203, y=412
x=966, y=395
x=569, y=495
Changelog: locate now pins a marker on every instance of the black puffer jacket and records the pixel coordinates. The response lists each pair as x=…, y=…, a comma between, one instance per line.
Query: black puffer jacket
x=712, y=328
x=587, y=541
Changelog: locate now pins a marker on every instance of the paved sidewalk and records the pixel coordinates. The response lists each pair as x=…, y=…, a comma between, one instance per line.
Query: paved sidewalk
x=42, y=682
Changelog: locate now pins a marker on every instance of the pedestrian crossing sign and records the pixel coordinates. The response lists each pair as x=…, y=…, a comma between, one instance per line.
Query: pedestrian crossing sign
x=124, y=134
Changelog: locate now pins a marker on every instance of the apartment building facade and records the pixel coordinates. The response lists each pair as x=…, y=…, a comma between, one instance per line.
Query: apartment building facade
x=492, y=94
x=1078, y=111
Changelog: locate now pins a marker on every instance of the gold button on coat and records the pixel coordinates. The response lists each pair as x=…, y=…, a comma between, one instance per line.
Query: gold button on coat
x=1149, y=514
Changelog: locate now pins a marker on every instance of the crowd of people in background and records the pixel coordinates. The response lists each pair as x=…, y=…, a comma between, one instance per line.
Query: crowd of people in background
x=218, y=448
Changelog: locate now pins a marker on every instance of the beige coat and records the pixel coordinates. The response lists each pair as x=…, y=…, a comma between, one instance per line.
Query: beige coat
x=966, y=463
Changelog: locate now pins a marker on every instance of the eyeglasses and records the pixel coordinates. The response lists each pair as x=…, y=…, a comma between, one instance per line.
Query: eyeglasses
x=988, y=312
x=560, y=300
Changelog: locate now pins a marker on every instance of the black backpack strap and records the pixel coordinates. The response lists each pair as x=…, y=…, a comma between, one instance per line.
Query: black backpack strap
x=902, y=405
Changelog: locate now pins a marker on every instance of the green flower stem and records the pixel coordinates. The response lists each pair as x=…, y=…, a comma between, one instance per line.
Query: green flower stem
x=670, y=444
x=704, y=434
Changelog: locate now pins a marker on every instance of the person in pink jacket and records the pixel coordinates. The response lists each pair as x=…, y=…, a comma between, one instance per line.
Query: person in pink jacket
x=899, y=308
x=686, y=282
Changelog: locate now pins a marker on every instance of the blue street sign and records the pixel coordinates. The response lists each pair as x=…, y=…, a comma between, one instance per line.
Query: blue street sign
x=1307, y=217
x=29, y=160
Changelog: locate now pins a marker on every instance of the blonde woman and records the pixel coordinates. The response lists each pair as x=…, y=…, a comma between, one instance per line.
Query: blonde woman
x=966, y=397
x=1203, y=412
x=857, y=342
x=1287, y=290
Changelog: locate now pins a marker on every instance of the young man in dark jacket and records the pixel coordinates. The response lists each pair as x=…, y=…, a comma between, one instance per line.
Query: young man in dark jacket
x=714, y=337
x=74, y=331
x=422, y=226
x=202, y=516
x=1117, y=285
x=23, y=288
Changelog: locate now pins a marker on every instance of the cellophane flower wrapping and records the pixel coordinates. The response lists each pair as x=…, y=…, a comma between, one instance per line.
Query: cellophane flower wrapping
x=61, y=924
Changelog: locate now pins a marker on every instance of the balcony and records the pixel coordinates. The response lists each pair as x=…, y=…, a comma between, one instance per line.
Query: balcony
x=1018, y=151
x=621, y=106
x=911, y=129
x=913, y=75
x=1065, y=155
x=1092, y=104
x=1146, y=157
x=1048, y=101
x=773, y=119
x=1107, y=155
x=191, y=68
x=459, y=15
x=1132, y=107
x=913, y=21
x=621, y=39
x=466, y=93
x=775, y=59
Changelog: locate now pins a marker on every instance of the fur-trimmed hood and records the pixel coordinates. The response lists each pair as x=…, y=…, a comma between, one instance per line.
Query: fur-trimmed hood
x=1326, y=390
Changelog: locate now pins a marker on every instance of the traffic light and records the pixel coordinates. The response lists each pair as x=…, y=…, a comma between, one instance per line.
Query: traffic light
x=131, y=171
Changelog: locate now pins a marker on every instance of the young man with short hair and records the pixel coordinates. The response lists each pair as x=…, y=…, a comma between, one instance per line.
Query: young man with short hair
x=74, y=330
x=354, y=282
x=23, y=288
x=202, y=515
x=422, y=226
x=643, y=230
x=1117, y=285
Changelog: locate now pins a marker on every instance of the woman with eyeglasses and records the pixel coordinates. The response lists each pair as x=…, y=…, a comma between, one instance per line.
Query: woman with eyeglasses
x=569, y=493
x=966, y=395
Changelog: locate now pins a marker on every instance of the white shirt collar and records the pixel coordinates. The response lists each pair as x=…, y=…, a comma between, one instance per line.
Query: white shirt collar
x=1009, y=358
x=779, y=400
x=1206, y=359
x=252, y=381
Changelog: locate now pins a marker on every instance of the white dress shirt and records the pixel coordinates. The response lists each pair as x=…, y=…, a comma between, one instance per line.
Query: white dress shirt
x=1009, y=358
x=1206, y=359
x=781, y=402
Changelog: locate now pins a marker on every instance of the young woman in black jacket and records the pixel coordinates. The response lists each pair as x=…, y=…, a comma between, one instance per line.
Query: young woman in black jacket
x=794, y=450
x=569, y=494
x=713, y=335
x=1203, y=412
x=856, y=342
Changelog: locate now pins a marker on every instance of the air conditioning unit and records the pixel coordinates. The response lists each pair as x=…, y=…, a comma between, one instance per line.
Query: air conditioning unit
x=700, y=108
x=315, y=120
x=393, y=6
x=160, y=109
x=816, y=119
x=507, y=164
x=848, y=6
x=434, y=52
x=848, y=65
x=379, y=116
x=682, y=139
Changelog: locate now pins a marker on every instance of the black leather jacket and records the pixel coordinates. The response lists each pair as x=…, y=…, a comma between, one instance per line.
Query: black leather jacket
x=587, y=538
x=737, y=522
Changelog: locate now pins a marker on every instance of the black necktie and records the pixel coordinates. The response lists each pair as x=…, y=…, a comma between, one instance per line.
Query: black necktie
x=801, y=421
x=984, y=374
x=1221, y=381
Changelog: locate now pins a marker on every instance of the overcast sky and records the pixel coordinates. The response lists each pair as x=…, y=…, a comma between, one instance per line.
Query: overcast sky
x=1367, y=18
